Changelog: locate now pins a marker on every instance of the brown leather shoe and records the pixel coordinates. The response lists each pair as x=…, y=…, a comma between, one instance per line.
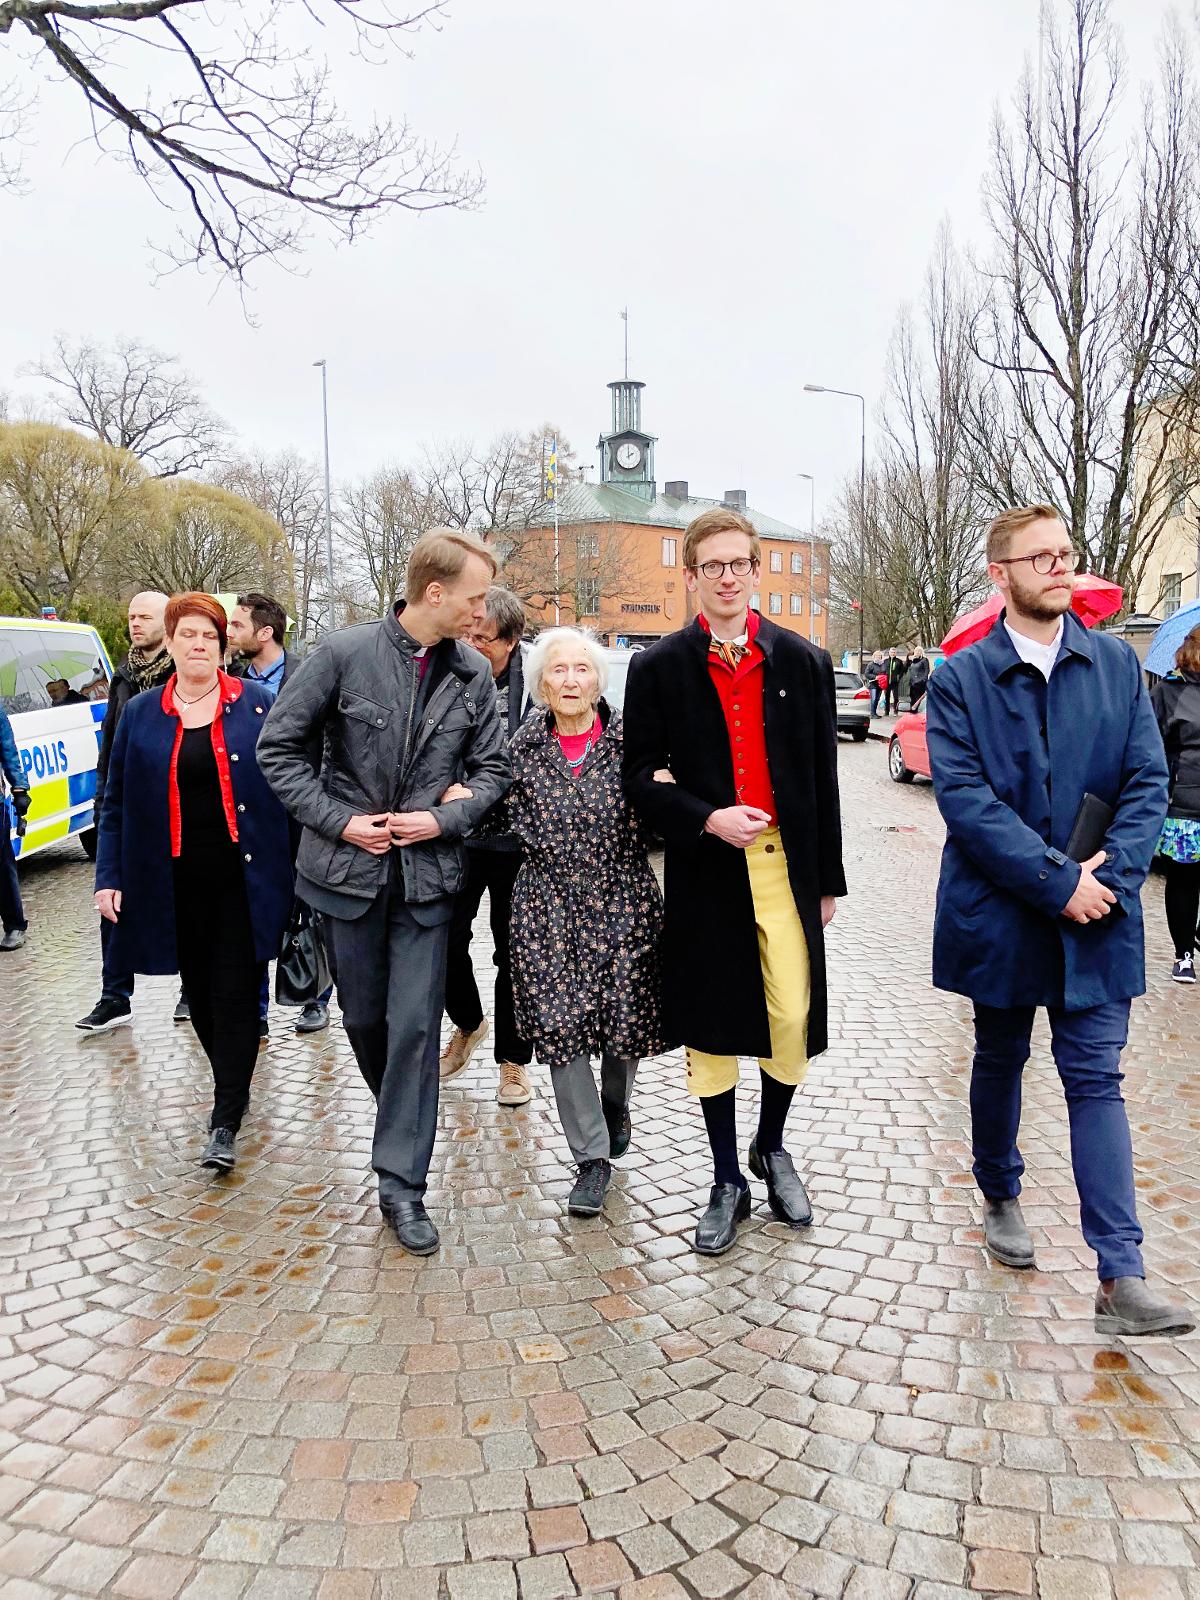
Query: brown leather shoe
x=514, y=1088
x=460, y=1048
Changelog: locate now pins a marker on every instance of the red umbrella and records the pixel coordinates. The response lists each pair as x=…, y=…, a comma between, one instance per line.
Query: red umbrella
x=1094, y=600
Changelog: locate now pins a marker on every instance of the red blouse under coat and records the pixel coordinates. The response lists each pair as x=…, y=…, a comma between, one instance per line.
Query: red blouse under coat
x=741, y=693
x=229, y=692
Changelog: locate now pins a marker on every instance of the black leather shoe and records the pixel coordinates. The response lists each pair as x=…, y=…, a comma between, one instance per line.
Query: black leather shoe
x=786, y=1195
x=590, y=1187
x=620, y=1129
x=717, y=1229
x=410, y=1222
x=1005, y=1236
x=313, y=1018
x=220, y=1153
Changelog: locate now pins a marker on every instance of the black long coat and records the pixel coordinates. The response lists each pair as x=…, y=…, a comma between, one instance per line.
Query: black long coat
x=713, y=989
x=586, y=907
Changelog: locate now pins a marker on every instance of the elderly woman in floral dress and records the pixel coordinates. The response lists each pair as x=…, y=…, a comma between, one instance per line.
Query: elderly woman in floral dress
x=587, y=911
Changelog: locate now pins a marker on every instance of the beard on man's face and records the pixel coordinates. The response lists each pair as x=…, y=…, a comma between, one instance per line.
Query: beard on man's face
x=1039, y=603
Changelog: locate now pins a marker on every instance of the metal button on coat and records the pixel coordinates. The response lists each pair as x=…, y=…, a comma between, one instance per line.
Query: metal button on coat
x=241, y=808
x=1043, y=874
x=258, y=711
x=233, y=758
x=248, y=856
x=783, y=694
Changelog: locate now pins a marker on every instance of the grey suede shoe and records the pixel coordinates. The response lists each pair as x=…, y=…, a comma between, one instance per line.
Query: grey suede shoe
x=1005, y=1236
x=1128, y=1308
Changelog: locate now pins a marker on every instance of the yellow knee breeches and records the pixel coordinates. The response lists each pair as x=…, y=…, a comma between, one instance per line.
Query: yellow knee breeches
x=787, y=984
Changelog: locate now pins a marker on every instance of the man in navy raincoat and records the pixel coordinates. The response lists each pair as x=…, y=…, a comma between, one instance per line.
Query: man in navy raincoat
x=1021, y=727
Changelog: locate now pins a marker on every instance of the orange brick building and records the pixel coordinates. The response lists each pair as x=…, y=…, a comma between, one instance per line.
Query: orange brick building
x=619, y=566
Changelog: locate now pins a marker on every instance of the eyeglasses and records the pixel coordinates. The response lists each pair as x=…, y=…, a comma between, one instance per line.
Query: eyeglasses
x=742, y=567
x=1044, y=561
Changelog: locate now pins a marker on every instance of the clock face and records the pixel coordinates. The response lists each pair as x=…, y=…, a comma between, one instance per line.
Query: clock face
x=629, y=455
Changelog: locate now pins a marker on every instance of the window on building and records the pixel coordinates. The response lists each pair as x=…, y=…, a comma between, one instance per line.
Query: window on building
x=776, y=603
x=817, y=566
x=1179, y=484
x=795, y=605
x=587, y=544
x=589, y=597
x=756, y=600
x=776, y=560
x=1172, y=593
x=816, y=606
x=668, y=552
x=797, y=563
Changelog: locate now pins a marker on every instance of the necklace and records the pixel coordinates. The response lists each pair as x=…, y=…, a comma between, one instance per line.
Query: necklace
x=581, y=758
x=187, y=704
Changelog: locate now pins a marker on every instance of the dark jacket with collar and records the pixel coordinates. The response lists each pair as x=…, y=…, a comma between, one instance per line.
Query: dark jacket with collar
x=713, y=983
x=10, y=757
x=391, y=744
x=493, y=832
x=120, y=692
x=1176, y=702
x=134, y=836
x=1012, y=757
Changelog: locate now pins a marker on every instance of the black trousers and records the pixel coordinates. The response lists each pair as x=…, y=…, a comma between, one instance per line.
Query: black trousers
x=220, y=974
x=1181, y=898
x=891, y=698
x=12, y=912
x=390, y=969
x=496, y=872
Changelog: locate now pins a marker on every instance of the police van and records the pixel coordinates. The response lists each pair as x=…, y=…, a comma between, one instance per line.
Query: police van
x=54, y=679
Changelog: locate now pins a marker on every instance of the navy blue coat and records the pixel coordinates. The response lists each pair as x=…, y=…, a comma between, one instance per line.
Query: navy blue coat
x=10, y=758
x=134, y=834
x=1012, y=757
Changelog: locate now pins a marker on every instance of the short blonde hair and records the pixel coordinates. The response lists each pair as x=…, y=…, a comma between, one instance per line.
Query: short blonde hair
x=439, y=556
x=1002, y=530
x=535, y=664
x=721, y=519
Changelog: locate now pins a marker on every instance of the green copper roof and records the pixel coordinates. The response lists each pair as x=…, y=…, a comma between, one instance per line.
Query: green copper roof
x=606, y=502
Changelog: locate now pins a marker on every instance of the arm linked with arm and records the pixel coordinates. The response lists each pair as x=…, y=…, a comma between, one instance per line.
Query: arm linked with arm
x=284, y=750
x=487, y=770
x=1004, y=848
x=667, y=807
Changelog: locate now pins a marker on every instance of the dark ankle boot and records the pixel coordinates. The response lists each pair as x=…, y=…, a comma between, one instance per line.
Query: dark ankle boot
x=1005, y=1236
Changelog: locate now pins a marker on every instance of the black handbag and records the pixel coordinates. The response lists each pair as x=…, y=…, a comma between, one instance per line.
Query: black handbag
x=302, y=971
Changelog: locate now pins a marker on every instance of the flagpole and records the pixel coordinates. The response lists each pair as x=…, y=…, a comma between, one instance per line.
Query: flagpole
x=557, y=577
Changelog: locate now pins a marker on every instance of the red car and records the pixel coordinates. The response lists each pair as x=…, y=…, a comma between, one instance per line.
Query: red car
x=908, y=753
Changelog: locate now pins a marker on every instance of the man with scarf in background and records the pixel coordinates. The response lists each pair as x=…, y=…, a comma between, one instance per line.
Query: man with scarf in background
x=147, y=666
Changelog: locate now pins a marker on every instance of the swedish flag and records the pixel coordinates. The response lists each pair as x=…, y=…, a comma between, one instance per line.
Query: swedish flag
x=551, y=471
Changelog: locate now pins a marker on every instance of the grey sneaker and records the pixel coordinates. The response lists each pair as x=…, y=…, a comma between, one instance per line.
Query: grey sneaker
x=1126, y=1307
x=1005, y=1236
x=591, y=1185
x=13, y=939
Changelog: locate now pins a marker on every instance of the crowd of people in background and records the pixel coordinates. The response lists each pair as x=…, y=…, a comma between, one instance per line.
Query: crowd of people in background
x=887, y=672
x=367, y=798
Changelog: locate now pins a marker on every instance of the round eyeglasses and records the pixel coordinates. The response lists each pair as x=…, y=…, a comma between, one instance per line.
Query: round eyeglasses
x=741, y=567
x=1044, y=561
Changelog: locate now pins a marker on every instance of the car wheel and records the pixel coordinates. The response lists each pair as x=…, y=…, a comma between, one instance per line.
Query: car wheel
x=859, y=735
x=898, y=772
x=90, y=843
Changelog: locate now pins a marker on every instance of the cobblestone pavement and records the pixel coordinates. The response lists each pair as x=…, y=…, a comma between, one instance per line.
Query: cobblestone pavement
x=242, y=1387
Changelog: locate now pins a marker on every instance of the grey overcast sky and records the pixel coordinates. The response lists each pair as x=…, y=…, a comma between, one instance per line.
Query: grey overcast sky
x=760, y=182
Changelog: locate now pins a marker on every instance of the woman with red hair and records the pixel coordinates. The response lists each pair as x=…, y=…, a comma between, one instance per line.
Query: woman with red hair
x=193, y=864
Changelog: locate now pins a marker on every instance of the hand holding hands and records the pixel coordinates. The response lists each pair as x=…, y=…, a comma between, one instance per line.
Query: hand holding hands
x=738, y=825
x=414, y=827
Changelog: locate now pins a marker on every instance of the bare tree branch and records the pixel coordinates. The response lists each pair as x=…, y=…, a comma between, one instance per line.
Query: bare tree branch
x=137, y=399
x=241, y=135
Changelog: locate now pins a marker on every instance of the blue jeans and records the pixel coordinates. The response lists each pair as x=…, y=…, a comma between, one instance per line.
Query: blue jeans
x=115, y=983
x=1087, y=1049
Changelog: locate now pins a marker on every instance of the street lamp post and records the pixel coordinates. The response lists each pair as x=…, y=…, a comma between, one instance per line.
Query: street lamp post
x=851, y=394
x=812, y=524
x=331, y=619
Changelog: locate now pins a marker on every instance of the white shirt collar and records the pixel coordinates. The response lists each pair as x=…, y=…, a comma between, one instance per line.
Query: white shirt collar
x=1041, y=656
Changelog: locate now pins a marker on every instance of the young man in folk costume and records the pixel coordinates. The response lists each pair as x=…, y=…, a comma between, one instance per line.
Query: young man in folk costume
x=731, y=754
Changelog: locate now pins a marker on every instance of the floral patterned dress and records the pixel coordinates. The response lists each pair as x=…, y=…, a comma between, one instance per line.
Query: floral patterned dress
x=586, y=910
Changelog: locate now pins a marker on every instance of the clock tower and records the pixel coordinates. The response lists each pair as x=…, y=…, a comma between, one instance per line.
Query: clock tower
x=626, y=452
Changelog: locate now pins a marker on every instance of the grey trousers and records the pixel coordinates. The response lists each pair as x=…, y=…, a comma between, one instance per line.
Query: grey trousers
x=579, y=1108
x=390, y=970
